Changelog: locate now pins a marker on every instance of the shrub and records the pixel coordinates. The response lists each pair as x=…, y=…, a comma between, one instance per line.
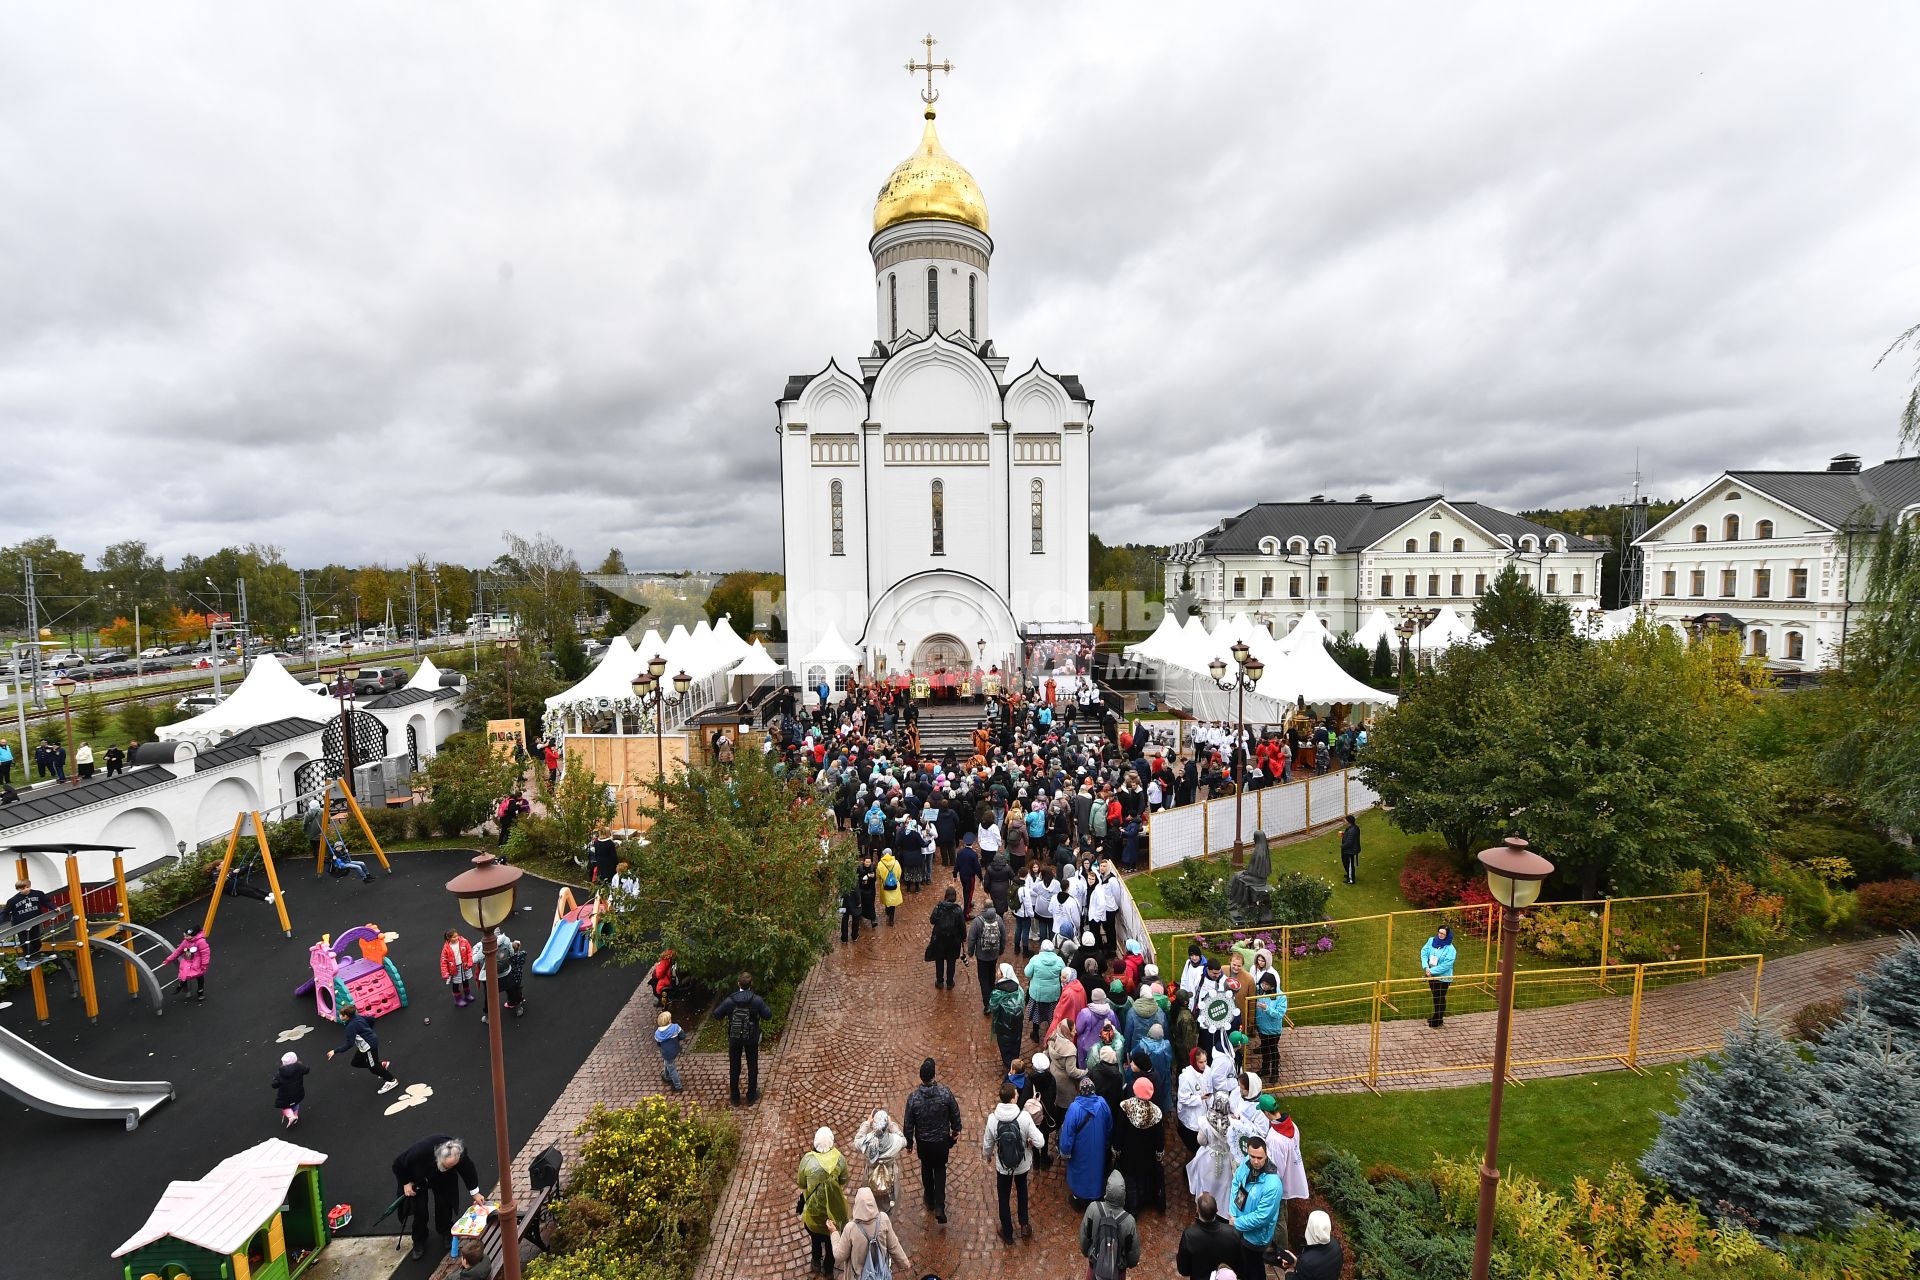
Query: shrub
x=1299, y=898
x=1814, y=1017
x=1824, y=835
x=1429, y=879
x=136, y=722
x=1571, y=934
x=1891, y=904
x=467, y=779
x=644, y=1186
x=389, y=826
x=1192, y=891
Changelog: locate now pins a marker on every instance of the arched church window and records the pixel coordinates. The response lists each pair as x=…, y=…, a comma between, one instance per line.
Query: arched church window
x=893, y=307
x=933, y=299
x=834, y=495
x=1036, y=502
x=973, y=312
x=939, y=518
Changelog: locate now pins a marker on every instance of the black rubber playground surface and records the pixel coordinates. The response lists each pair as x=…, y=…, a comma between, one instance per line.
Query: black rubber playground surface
x=75, y=1189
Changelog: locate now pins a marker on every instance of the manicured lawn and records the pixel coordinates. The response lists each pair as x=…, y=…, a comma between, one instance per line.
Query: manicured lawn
x=1554, y=1130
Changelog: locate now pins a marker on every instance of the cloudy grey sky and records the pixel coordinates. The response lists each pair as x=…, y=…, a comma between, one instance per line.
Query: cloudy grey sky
x=368, y=280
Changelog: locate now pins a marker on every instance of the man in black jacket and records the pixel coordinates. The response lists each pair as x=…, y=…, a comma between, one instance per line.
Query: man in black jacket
x=1211, y=1242
x=437, y=1164
x=1350, y=848
x=742, y=1013
x=931, y=1121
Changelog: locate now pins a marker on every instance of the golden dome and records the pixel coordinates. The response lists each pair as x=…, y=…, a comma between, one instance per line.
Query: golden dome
x=930, y=184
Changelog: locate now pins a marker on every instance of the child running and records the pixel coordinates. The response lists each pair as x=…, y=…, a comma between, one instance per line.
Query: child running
x=290, y=1088
x=365, y=1043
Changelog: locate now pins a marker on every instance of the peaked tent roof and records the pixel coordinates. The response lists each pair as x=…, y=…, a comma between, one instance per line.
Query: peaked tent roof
x=727, y=641
x=1309, y=630
x=267, y=694
x=611, y=678
x=832, y=651
x=1446, y=630
x=1310, y=672
x=1377, y=625
x=221, y=1211
x=758, y=662
x=1157, y=646
x=426, y=677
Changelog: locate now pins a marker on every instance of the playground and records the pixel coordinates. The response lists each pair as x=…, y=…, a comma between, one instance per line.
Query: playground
x=92, y=1182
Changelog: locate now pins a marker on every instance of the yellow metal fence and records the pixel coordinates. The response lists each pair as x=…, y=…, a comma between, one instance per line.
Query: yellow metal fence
x=1378, y=1034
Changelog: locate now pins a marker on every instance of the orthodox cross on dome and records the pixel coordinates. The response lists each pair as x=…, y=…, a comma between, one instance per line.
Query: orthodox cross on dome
x=929, y=94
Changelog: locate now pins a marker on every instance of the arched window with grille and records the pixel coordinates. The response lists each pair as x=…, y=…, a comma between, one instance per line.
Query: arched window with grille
x=939, y=499
x=834, y=500
x=893, y=307
x=1730, y=529
x=1036, y=503
x=1459, y=544
x=973, y=307
x=1699, y=533
x=1763, y=529
x=1433, y=542
x=933, y=299
x=1413, y=544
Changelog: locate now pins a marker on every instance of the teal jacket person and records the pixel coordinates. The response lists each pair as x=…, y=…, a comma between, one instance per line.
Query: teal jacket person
x=1437, y=955
x=1255, y=1202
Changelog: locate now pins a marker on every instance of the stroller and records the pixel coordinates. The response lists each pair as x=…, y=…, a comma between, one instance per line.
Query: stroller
x=339, y=864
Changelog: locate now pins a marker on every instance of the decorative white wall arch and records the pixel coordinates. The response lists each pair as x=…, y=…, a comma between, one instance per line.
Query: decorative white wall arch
x=936, y=385
x=146, y=832
x=935, y=603
x=224, y=800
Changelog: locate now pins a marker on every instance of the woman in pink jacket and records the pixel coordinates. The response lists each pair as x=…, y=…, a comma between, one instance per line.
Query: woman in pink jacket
x=194, y=953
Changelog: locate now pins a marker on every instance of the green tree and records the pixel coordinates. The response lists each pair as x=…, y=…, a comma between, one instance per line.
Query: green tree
x=579, y=806
x=1516, y=619
x=465, y=779
x=136, y=722
x=1353, y=658
x=737, y=873
x=526, y=679
x=61, y=581
x=1868, y=1080
x=743, y=597
x=543, y=584
x=89, y=717
x=570, y=655
x=1382, y=659
x=129, y=576
x=1424, y=757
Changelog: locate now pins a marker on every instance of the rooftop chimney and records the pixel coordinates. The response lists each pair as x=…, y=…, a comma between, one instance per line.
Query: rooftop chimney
x=1848, y=462
x=1318, y=497
x=1365, y=497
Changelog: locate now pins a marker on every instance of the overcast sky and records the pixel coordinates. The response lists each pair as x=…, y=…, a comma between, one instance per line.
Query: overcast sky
x=372, y=280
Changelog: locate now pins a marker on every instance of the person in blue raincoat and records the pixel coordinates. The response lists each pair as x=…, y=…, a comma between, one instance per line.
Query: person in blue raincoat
x=1084, y=1133
x=1269, y=1013
x=1436, y=961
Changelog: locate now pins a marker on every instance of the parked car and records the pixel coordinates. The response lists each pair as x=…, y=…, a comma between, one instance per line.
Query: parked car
x=373, y=681
x=156, y=651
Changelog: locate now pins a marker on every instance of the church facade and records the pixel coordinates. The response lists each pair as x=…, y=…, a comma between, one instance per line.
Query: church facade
x=933, y=498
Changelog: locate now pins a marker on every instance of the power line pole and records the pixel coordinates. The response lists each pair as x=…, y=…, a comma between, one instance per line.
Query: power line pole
x=246, y=632
x=306, y=619
x=33, y=637
x=413, y=608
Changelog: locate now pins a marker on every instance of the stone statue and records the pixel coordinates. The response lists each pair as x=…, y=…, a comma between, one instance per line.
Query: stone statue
x=1249, y=895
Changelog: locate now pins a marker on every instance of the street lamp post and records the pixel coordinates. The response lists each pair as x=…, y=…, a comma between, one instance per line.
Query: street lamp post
x=1514, y=873
x=64, y=687
x=486, y=902
x=343, y=691
x=651, y=689
x=507, y=646
x=1246, y=675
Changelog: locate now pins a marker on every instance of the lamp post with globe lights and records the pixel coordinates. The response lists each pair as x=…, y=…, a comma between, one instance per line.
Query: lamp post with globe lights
x=650, y=688
x=1246, y=675
x=64, y=687
x=486, y=902
x=1514, y=875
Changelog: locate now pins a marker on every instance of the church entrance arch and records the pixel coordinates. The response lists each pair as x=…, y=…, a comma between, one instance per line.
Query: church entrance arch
x=942, y=653
x=955, y=611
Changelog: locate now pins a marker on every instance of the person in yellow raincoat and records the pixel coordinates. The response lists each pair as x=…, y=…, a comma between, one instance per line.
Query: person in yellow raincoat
x=889, y=877
x=823, y=1196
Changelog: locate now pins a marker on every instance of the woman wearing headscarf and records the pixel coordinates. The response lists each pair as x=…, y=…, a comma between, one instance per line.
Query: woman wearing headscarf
x=1084, y=1135
x=1103, y=1068
x=1138, y=1140
x=1436, y=961
x=1194, y=971
x=1067, y=1071
x=1196, y=1091
x=1211, y=1168
x=1269, y=1012
x=880, y=1142
x=823, y=1196
x=1073, y=998
x=948, y=934
x=870, y=1229
x=1322, y=1257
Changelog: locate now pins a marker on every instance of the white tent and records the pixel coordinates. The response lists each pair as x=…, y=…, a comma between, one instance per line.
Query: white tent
x=1310, y=672
x=1308, y=631
x=1446, y=630
x=758, y=662
x=727, y=642
x=610, y=681
x=267, y=694
x=1378, y=624
x=650, y=644
x=1157, y=646
x=426, y=677
x=832, y=651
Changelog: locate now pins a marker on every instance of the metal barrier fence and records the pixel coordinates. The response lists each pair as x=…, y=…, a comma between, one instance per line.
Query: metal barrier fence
x=1363, y=1034
x=1205, y=828
x=1386, y=947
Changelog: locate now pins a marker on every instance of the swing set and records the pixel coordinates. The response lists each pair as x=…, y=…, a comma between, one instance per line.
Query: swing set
x=266, y=853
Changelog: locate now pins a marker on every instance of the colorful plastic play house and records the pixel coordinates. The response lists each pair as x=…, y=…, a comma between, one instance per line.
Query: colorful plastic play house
x=259, y=1215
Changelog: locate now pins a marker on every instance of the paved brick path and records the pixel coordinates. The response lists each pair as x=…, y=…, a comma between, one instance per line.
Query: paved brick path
x=867, y=1015
x=1681, y=1016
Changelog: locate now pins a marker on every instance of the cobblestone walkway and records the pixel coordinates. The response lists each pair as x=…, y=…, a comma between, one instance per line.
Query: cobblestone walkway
x=1684, y=1016
x=867, y=1015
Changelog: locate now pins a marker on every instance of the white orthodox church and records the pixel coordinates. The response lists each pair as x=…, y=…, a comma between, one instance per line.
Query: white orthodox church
x=934, y=506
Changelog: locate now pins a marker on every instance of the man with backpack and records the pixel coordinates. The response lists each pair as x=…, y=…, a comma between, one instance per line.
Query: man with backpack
x=986, y=942
x=1109, y=1238
x=931, y=1121
x=1008, y=1142
x=743, y=1012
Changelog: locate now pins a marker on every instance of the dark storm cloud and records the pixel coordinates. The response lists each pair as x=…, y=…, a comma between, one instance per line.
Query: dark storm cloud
x=369, y=281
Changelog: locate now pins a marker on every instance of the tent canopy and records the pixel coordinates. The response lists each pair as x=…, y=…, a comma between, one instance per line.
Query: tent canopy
x=266, y=695
x=758, y=662
x=1309, y=630
x=1157, y=646
x=832, y=651
x=1446, y=630
x=1379, y=624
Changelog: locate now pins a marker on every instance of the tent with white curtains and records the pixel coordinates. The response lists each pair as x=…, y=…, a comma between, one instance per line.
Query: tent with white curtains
x=1446, y=630
x=266, y=695
x=832, y=660
x=1378, y=626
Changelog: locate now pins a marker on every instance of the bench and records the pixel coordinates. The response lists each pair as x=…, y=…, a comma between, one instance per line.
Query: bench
x=529, y=1209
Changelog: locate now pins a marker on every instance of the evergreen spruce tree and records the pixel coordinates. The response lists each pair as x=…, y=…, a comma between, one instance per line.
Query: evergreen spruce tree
x=1874, y=1094
x=1891, y=989
x=1382, y=659
x=1750, y=1143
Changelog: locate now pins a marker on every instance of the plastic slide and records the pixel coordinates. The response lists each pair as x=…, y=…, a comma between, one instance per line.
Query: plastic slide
x=559, y=946
x=48, y=1084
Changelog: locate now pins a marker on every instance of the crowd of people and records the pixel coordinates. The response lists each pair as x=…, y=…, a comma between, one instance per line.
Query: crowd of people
x=1019, y=842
